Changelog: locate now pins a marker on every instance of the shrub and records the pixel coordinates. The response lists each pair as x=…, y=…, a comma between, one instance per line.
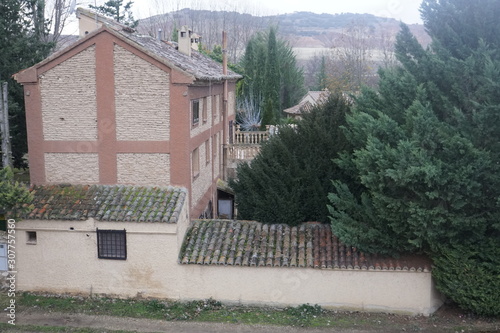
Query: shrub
x=470, y=275
x=289, y=180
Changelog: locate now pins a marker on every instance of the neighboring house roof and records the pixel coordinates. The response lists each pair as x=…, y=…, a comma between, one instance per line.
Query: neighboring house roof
x=199, y=66
x=107, y=203
x=248, y=243
x=308, y=102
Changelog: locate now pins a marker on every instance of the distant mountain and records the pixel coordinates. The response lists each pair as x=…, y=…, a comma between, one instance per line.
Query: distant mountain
x=305, y=31
x=306, y=24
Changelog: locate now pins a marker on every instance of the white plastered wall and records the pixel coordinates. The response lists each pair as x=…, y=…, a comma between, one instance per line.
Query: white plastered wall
x=65, y=261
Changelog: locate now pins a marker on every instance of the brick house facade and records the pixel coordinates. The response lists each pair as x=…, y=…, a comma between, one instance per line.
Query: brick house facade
x=117, y=107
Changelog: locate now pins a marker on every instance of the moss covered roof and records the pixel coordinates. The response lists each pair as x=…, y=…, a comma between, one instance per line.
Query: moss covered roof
x=107, y=203
x=248, y=243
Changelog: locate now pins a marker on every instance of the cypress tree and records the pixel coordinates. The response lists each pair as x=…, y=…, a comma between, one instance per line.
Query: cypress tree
x=272, y=79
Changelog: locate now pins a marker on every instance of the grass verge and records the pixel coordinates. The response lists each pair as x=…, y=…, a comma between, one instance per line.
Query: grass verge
x=6, y=328
x=305, y=315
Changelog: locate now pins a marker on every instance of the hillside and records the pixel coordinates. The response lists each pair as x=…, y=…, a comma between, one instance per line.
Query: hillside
x=307, y=32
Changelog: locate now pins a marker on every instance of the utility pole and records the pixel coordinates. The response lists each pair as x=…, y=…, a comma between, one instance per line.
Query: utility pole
x=4, y=127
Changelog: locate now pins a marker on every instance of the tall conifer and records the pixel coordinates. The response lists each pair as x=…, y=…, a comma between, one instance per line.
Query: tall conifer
x=426, y=161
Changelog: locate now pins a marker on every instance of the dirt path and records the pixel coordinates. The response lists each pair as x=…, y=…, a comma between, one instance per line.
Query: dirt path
x=29, y=317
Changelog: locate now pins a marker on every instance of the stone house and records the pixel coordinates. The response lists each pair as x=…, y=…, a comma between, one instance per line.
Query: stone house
x=117, y=107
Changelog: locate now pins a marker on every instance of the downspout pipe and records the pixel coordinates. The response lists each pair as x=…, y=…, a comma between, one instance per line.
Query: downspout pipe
x=225, y=110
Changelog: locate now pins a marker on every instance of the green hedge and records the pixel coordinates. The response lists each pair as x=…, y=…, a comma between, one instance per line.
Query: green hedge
x=470, y=276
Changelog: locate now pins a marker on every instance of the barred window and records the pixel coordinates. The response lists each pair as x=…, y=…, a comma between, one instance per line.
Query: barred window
x=111, y=244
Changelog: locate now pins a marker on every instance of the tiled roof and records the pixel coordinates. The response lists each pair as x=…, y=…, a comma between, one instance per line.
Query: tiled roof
x=305, y=104
x=198, y=65
x=107, y=203
x=247, y=243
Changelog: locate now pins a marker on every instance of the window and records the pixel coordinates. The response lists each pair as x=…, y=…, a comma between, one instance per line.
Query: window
x=215, y=107
x=31, y=237
x=205, y=111
x=207, y=151
x=196, y=111
x=111, y=244
x=214, y=147
x=196, y=162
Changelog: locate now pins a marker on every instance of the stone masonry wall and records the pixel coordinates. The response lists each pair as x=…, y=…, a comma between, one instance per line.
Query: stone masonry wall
x=202, y=182
x=141, y=98
x=68, y=90
x=143, y=169
x=205, y=122
x=73, y=168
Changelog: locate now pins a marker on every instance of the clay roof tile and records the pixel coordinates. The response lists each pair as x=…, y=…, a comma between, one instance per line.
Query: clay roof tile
x=249, y=243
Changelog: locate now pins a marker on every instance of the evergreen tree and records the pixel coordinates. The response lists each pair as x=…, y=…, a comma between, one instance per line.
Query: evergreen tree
x=321, y=76
x=273, y=76
x=426, y=157
x=118, y=12
x=175, y=34
x=23, y=31
x=288, y=181
x=272, y=79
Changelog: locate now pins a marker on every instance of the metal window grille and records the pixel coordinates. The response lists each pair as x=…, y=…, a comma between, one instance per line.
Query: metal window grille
x=111, y=244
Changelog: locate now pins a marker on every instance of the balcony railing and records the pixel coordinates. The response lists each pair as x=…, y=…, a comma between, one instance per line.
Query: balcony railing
x=251, y=138
x=245, y=145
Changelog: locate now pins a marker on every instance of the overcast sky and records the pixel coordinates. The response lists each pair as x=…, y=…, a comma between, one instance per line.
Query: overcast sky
x=404, y=10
